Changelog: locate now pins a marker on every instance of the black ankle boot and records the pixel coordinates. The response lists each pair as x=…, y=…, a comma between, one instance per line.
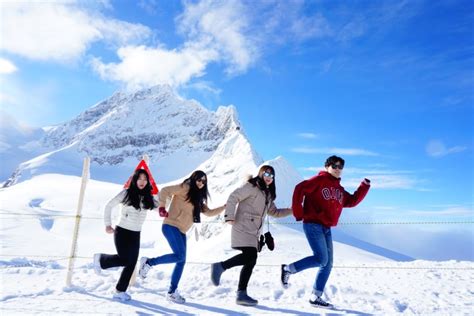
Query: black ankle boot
x=244, y=299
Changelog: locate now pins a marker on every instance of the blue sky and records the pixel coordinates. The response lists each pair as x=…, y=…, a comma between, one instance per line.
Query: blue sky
x=388, y=85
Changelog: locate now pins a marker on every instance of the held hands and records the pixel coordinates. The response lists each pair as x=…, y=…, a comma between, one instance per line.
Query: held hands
x=109, y=230
x=162, y=211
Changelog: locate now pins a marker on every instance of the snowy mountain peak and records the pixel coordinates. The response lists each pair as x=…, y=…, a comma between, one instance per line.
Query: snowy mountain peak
x=155, y=121
x=177, y=134
x=228, y=118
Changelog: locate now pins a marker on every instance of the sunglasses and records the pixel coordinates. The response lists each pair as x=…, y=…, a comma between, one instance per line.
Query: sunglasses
x=334, y=166
x=268, y=174
x=202, y=180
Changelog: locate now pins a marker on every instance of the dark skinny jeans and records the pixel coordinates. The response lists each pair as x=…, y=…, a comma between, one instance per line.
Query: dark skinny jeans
x=247, y=259
x=127, y=243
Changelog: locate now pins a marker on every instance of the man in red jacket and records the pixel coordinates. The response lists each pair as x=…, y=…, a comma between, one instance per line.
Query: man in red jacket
x=318, y=202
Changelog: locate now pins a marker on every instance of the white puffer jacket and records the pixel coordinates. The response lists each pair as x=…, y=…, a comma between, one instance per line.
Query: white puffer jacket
x=130, y=217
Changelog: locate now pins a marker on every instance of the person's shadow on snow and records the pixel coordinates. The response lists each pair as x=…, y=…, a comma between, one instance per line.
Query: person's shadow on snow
x=154, y=308
x=314, y=309
x=215, y=309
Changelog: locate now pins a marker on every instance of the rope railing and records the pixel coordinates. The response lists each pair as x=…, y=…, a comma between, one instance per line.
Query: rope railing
x=4, y=214
x=351, y=267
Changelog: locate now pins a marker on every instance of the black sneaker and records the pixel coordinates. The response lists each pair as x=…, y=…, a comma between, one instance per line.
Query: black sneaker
x=317, y=301
x=285, y=276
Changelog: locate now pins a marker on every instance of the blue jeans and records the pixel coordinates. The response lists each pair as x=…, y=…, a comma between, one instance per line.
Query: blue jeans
x=320, y=240
x=177, y=242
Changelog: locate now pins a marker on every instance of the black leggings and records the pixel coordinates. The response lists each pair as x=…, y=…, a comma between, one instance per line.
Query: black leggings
x=247, y=259
x=127, y=243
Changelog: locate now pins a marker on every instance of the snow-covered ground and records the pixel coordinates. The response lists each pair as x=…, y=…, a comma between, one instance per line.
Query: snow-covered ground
x=37, y=221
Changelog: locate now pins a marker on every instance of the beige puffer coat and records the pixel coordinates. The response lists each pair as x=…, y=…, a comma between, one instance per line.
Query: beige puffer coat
x=247, y=207
x=180, y=211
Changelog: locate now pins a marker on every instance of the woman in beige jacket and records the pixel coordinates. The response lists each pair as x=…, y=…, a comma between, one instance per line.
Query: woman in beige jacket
x=245, y=211
x=188, y=201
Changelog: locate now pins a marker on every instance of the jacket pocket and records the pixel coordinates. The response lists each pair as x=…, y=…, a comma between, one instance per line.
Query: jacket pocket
x=253, y=222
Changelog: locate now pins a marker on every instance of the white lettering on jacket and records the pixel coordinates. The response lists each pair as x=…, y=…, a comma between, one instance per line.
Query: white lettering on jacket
x=332, y=193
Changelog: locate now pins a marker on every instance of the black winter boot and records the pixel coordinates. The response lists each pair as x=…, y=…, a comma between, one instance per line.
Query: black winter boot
x=244, y=299
x=216, y=272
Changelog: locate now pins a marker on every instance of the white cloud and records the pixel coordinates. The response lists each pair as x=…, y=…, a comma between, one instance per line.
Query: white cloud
x=312, y=169
x=454, y=211
x=336, y=151
x=436, y=148
x=351, y=30
x=326, y=65
x=205, y=87
x=378, y=170
x=150, y=6
x=289, y=22
x=6, y=66
x=348, y=170
x=380, y=178
x=142, y=66
x=386, y=181
x=398, y=213
x=308, y=27
x=222, y=26
x=308, y=135
x=59, y=31
x=215, y=32
x=227, y=32
x=233, y=33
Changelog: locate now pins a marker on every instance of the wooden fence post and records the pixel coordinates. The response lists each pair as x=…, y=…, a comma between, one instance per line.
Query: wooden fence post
x=72, y=257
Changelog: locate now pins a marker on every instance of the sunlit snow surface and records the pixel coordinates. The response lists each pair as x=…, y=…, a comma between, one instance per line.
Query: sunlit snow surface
x=37, y=221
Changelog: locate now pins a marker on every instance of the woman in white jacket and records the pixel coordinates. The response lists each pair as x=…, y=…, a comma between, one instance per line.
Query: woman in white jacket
x=135, y=200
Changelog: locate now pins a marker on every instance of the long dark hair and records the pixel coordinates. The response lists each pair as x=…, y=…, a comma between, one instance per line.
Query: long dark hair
x=260, y=183
x=134, y=195
x=197, y=197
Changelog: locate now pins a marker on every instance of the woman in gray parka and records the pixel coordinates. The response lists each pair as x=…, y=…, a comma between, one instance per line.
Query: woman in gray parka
x=245, y=211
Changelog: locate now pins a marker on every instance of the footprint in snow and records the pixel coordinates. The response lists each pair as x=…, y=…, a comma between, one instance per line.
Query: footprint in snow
x=277, y=294
x=400, y=306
